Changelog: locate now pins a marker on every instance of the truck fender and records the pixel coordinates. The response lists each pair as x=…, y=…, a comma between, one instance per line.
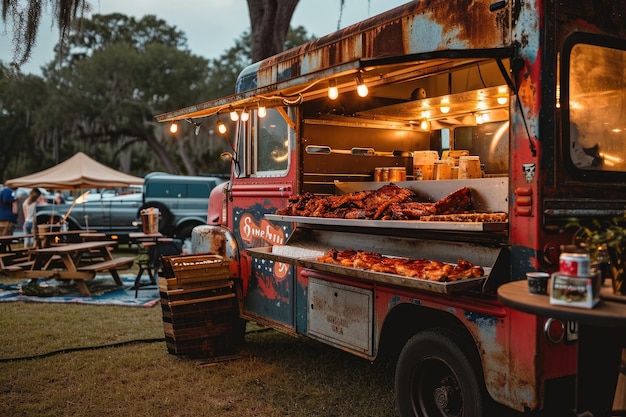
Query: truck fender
x=216, y=240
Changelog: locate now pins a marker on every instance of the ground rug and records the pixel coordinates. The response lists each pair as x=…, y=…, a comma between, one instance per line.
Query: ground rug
x=103, y=289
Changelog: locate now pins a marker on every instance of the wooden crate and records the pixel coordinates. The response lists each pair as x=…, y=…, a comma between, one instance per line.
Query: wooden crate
x=191, y=269
x=201, y=322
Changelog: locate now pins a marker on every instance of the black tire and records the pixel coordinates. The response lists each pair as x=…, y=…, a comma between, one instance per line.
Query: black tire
x=166, y=218
x=45, y=219
x=435, y=378
x=185, y=232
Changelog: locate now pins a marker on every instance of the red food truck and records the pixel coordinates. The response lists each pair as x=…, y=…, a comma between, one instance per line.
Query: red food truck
x=455, y=132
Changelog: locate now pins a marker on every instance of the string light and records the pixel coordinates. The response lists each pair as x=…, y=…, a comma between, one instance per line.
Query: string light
x=502, y=95
x=221, y=127
x=445, y=105
x=174, y=127
x=361, y=88
x=333, y=91
x=262, y=111
x=244, y=115
x=233, y=114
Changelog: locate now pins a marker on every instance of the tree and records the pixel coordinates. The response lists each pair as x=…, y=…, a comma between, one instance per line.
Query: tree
x=102, y=98
x=224, y=70
x=104, y=94
x=269, y=20
x=269, y=23
x=26, y=20
x=113, y=73
x=20, y=98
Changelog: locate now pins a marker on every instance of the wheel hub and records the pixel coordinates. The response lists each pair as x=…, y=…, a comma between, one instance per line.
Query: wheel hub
x=442, y=397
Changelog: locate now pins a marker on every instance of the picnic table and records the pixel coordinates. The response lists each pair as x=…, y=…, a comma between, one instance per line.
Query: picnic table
x=67, y=262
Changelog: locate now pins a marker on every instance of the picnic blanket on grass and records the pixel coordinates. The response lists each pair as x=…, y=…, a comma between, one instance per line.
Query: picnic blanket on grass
x=103, y=289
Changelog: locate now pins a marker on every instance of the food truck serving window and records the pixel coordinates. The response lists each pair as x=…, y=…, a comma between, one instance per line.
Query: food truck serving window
x=594, y=108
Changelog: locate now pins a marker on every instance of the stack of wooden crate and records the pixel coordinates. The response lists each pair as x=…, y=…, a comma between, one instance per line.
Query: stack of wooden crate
x=200, y=306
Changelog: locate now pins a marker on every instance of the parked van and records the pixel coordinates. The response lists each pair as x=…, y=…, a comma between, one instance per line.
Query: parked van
x=182, y=201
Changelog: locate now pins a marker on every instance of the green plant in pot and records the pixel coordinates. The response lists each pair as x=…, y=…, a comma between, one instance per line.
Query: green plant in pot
x=606, y=242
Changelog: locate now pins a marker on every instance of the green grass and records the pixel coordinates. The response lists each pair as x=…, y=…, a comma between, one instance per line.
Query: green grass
x=274, y=375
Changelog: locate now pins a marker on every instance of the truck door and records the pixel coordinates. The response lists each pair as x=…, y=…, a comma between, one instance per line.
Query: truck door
x=263, y=179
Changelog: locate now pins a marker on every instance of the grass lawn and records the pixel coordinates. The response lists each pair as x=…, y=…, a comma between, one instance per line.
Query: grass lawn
x=274, y=375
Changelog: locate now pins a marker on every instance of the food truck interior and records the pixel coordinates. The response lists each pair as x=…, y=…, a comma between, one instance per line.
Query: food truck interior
x=416, y=113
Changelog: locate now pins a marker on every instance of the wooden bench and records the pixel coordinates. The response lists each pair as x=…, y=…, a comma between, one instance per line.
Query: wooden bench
x=111, y=265
x=10, y=258
x=19, y=266
x=6, y=259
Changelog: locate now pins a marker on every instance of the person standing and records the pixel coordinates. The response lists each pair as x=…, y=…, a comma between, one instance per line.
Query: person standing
x=8, y=211
x=29, y=207
x=21, y=195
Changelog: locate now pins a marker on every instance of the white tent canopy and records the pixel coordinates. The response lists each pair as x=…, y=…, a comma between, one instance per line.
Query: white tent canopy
x=79, y=171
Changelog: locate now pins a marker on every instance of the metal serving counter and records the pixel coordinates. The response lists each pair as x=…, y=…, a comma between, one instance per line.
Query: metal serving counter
x=307, y=258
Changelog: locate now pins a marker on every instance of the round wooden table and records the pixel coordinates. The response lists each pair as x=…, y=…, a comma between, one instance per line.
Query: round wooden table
x=601, y=337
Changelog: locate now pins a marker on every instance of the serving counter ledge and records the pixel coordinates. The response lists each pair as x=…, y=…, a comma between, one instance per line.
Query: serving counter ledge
x=306, y=258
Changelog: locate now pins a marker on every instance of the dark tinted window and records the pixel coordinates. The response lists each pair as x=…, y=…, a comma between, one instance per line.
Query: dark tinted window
x=199, y=190
x=166, y=190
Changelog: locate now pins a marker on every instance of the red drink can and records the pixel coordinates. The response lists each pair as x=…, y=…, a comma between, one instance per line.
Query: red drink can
x=574, y=264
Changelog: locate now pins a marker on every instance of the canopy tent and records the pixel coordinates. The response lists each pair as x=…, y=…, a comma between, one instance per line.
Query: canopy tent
x=79, y=171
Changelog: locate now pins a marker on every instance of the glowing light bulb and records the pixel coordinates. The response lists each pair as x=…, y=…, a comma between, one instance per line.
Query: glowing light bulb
x=361, y=88
x=221, y=127
x=174, y=127
x=262, y=111
x=233, y=115
x=502, y=100
x=424, y=125
x=333, y=91
x=244, y=116
x=445, y=105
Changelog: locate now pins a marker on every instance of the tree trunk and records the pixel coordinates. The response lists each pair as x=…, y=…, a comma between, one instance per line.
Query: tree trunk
x=269, y=23
x=163, y=156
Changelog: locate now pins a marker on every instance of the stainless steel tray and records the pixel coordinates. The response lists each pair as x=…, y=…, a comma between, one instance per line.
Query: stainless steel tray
x=393, y=224
x=380, y=277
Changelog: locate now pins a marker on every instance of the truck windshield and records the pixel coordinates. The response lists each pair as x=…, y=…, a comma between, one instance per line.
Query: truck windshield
x=597, y=108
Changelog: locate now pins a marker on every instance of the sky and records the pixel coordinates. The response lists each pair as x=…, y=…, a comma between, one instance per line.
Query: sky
x=211, y=26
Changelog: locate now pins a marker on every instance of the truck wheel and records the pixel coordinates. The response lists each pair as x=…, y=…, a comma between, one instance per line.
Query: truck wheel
x=434, y=377
x=165, y=218
x=185, y=232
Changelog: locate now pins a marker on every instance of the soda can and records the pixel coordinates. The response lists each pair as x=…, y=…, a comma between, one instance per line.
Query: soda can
x=574, y=264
